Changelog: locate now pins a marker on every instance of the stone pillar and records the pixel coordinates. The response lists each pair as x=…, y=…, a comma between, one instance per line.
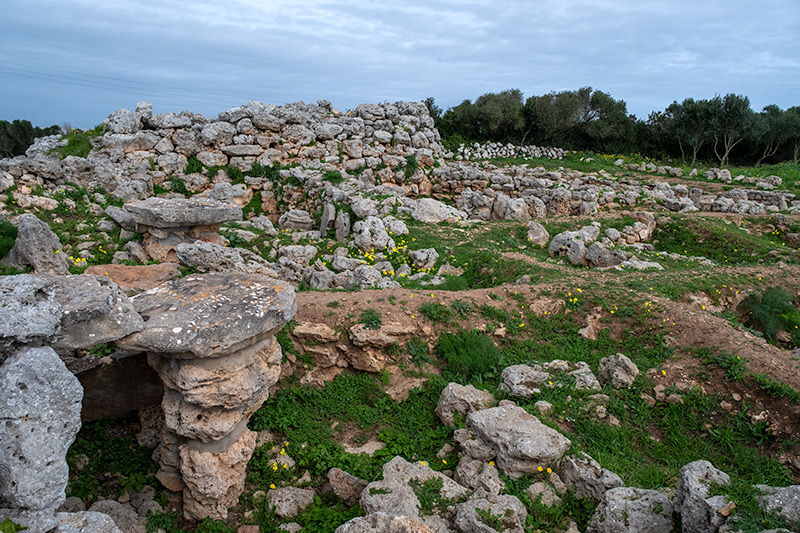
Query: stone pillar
x=211, y=339
x=165, y=223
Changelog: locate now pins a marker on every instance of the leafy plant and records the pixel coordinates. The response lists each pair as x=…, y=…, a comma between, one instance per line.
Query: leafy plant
x=771, y=312
x=468, y=354
x=193, y=166
x=8, y=236
x=411, y=166
x=7, y=526
x=333, y=176
x=436, y=312
x=79, y=143
x=419, y=351
x=371, y=319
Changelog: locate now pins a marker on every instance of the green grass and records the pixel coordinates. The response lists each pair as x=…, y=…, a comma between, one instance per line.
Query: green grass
x=719, y=241
x=79, y=142
x=8, y=236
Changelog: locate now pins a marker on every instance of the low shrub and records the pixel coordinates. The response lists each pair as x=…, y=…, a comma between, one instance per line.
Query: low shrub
x=772, y=312
x=467, y=354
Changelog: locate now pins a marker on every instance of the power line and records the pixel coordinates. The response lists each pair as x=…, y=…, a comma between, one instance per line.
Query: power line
x=114, y=84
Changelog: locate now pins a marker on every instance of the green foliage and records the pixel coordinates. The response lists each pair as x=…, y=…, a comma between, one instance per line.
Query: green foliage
x=436, y=312
x=461, y=308
x=7, y=526
x=772, y=311
x=193, y=166
x=325, y=516
x=168, y=522
x=714, y=239
x=485, y=516
x=411, y=166
x=254, y=207
x=429, y=495
x=468, y=354
x=8, y=236
x=419, y=351
x=371, y=319
x=79, y=143
x=18, y=135
x=110, y=464
x=333, y=176
x=179, y=186
x=285, y=341
x=750, y=517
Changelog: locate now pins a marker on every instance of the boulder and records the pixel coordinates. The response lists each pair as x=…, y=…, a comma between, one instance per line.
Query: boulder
x=522, y=443
x=289, y=501
x=632, y=510
x=784, y=501
x=463, y=400
x=433, y=211
x=134, y=279
x=510, y=514
x=41, y=413
x=29, y=312
x=380, y=522
x=423, y=259
x=395, y=496
x=370, y=234
x=95, y=311
x=523, y=380
x=37, y=246
x=698, y=511
x=586, y=477
x=619, y=370
x=211, y=257
x=346, y=486
x=537, y=234
x=296, y=219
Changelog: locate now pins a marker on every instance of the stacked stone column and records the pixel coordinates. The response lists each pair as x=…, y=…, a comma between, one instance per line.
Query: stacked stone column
x=211, y=339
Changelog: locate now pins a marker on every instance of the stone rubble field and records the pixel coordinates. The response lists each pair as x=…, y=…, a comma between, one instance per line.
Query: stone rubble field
x=290, y=318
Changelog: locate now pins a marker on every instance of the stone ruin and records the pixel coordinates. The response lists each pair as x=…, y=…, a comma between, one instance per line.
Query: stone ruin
x=209, y=337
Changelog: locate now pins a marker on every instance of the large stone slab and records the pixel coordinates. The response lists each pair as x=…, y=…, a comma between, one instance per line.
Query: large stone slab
x=182, y=212
x=29, y=312
x=37, y=246
x=95, y=311
x=210, y=315
x=40, y=405
x=522, y=443
x=133, y=279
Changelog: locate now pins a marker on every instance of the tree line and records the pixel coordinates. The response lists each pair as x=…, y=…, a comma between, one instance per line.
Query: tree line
x=17, y=136
x=723, y=129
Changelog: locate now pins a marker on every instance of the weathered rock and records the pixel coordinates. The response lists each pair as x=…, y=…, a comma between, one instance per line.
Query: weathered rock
x=214, y=480
x=423, y=259
x=95, y=311
x=463, y=400
x=301, y=255
x=433, y=211
x=223, y=313
x=784, y=501
x=543, y=493
x=598, y=256
x=395, y=495
x=125, y=519
x=587, y=478
x=233, y=382
x=211, y=257
x=537, y=234
x=523, y=380
x=181, y=212
x=37, y=246
x=632, y=510
x=478, y=473
x=619, y=370
x=86, y=522
x=699, y=512
x=522, y=443
x=346, y=486
x=123, y=121
x=296, y=219
x=370, y=235
x=342, y=226
x=29, y=312
x=508, y=509
x=380, y=522
x=41, y=404
x=289, y=501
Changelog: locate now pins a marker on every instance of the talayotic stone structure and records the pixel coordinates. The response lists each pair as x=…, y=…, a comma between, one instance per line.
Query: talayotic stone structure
x=211, y=338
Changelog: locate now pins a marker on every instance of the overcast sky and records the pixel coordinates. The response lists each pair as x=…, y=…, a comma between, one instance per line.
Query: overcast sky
x=77, y=61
